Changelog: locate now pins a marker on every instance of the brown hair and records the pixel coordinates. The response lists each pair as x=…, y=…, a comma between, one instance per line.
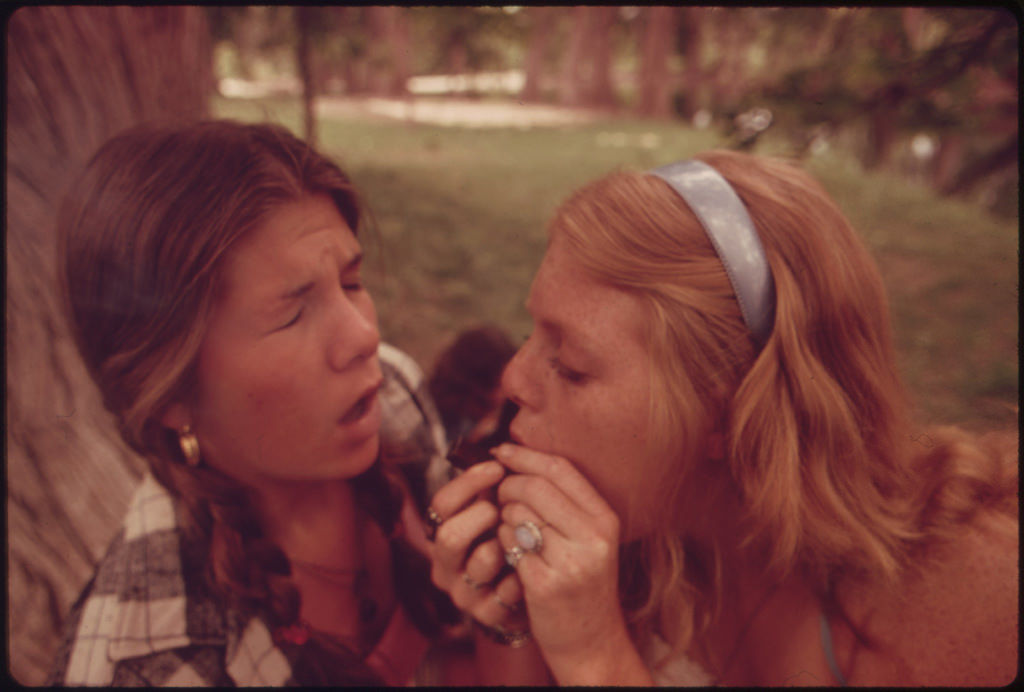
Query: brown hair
x=142, y=235
x=815, y=422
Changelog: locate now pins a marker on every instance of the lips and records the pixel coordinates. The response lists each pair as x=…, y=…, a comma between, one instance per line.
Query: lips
x=362, y=404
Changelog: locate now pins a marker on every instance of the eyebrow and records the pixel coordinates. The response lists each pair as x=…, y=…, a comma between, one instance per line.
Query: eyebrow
x=578, y=341
x=305, y=288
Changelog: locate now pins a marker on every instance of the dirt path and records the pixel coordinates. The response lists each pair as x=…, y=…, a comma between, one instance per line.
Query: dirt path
x=458, y=112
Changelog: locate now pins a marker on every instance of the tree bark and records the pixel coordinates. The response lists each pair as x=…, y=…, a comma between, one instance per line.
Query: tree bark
x=655, y=88
x=75, y=76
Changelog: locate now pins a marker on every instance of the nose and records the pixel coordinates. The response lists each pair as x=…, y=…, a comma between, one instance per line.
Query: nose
x=353, y=336
x=516, y=382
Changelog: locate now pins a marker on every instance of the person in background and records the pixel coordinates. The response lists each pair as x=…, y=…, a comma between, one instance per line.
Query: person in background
x=212, y=279
x=466, y=381
x=713, y=476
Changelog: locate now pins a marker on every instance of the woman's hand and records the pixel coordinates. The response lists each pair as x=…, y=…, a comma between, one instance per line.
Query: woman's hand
x=571, y=583
x=467, y=562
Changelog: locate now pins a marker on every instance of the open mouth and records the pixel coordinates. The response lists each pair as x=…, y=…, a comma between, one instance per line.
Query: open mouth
x=361, y=407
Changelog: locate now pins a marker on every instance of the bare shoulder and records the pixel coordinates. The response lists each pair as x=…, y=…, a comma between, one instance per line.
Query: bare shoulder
x=956, y=623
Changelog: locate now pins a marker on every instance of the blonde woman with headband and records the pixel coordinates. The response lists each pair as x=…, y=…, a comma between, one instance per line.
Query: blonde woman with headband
x=713, y=478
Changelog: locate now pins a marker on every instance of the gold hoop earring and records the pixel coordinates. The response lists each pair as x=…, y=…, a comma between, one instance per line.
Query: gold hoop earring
x=189, y=446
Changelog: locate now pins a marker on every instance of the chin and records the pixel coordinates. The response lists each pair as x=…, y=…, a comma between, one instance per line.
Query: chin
x=360, y=459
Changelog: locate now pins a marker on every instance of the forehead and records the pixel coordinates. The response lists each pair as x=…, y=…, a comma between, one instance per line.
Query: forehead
x=568, y=297
x=308, y=224
x=292, y=222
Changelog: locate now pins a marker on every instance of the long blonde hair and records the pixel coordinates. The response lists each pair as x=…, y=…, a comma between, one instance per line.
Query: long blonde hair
x=817, y=437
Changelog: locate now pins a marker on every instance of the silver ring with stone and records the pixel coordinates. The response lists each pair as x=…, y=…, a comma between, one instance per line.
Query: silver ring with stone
x=513, y=555
x=529, y=537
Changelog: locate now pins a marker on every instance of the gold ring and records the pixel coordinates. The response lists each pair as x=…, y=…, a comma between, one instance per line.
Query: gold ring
x=434, y=521
x=434, y=517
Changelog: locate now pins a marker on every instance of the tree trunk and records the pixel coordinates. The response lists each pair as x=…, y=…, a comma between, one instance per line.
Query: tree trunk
x=573, y=73
x=948, y=160
x=457, y=51
x=303, y=24
x=600, y=90
x=735, y=32
x=542, y=20
x=655, y=87
x=881, y=135
x=248, y=36
x=693, y=73
x=389, y=49
x=75, y=76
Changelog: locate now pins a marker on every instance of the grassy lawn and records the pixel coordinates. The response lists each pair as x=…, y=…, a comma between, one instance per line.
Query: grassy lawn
x=459, y=218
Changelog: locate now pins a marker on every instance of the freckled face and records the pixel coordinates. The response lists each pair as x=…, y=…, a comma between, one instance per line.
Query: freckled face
x=582, y=382
x=288, y=372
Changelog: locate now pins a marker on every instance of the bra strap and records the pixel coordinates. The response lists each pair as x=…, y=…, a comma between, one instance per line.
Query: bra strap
x=830, y=657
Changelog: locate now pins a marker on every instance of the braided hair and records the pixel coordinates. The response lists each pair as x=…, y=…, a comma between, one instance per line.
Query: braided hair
x=141, y=237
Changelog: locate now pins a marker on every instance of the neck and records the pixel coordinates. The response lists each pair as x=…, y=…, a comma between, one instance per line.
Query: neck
x=314, y=523
x=749, y=599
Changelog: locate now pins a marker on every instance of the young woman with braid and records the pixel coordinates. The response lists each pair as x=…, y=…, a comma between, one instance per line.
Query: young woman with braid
x=713, y=476
x=212, y=279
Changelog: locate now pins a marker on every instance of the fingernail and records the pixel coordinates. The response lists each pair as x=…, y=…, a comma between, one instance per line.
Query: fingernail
x=489, y=468
x=500, y=451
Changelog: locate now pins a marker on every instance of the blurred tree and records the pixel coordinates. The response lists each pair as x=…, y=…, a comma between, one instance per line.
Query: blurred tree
x=460, y=39
x=896, y=73
x=541, y=23
x=569, y=91
x=304, y=58
x=654, y=78
x=600, y=92
x=75, y=76
x=261, y=39
x=389, y=50
x=353, y=49
x=586, y=70
x=690, y=39
x=732, y=32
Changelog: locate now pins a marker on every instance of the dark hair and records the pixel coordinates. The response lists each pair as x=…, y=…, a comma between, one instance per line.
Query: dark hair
x=467, y=375
x=141, y=238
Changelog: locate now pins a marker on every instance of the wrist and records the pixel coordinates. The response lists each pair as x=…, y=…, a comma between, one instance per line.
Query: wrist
x=614, y=661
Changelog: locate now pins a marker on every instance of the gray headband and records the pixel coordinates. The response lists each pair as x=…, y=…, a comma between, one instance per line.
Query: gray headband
x=731, y=231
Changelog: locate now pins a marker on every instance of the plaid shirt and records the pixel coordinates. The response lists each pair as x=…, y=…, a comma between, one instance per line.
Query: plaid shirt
x=140, y=622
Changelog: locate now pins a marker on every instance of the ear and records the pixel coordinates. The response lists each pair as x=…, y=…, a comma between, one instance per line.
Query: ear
x=176, y=416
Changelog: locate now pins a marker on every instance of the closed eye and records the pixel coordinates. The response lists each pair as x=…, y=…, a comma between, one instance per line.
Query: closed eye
x=567, y=374
x=291, y=321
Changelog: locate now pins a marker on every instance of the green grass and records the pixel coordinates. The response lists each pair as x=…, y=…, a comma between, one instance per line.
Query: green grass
x=459, y=231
